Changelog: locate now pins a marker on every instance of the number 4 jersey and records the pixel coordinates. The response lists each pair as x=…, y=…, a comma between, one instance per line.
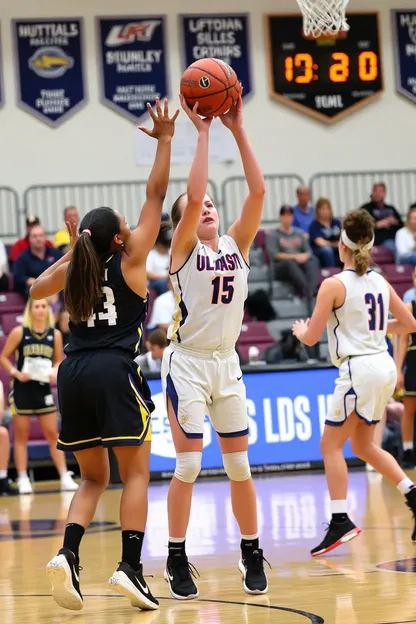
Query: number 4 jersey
x=117, y=321
x=210, y=290
x=359, y=326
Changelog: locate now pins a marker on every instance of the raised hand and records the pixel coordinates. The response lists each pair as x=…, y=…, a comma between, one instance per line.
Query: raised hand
x=299, y=328
x=163, y=125
x=73, y=233
x=234, y=118
x=201, y=124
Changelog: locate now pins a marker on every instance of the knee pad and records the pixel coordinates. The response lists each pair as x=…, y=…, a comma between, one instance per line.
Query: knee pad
x=188, y=466
x=236, y=466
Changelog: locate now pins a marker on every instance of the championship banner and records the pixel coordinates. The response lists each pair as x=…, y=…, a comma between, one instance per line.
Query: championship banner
x=133, y=63
x=49, y=58
x=222, y=36
x=404, y=37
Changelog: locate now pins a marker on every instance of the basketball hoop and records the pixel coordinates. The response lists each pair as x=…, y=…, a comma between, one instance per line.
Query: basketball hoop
x=323, y=17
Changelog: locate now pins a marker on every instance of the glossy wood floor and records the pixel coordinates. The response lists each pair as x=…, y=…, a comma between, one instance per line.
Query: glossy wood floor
x=347, y=587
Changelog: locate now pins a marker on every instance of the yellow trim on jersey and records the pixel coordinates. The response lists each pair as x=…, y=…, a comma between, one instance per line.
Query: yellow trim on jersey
x=78, y=441
x=140, y=332
x=110, y=258
x=413, y=348
x=43, y=410
x=177, y=317
x=145, y=417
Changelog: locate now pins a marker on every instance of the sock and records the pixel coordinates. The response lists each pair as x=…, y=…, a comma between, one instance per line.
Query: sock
x=3, y=474
x=3, y=485
x=249, y=542
x=22, y=474
x=73, y=536
x=405, y=485
x=176, y=545
x=132, y=548
x=339, y=510
x=408, y=446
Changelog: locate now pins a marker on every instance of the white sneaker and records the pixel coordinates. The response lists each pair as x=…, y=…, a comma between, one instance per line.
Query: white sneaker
x=25, y=486
x=67, y=482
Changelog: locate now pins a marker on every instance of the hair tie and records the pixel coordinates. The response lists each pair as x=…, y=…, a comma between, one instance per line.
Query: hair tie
x=354, y=246
x=86, y=232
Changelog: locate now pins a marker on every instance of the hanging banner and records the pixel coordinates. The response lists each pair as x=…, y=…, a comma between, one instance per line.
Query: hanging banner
x=223, y=36
x=50, y=76
x=404, y=37
x=133, y=63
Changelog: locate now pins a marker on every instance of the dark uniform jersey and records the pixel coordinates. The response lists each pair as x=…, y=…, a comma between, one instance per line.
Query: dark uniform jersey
x=410, y=362
x=117, y=321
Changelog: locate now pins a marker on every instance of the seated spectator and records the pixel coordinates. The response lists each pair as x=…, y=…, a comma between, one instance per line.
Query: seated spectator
x=61, y=238
x=406, y=240
x=164, y=308
x=158, y=261
x=291, y=255
x=324, y=233
x=23, y=243
x=4, y=268
x=151, y=362
x=5, y=489
x=410, y=295
x=388, y=221
x=303, y=212
x=32, y=262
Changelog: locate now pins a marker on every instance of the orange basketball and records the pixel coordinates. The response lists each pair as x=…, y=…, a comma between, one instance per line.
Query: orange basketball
x=213, y=84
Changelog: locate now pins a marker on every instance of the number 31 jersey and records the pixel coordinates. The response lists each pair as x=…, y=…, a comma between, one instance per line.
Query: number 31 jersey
x=210, y=290
x=359, y=326
x=117, y=321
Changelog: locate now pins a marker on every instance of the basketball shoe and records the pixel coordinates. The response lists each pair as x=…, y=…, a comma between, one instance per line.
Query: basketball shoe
x=63, y=572
x=178, y=574
x=411, y=503
x=251, y=567
x=338, y=533
x=131, y=584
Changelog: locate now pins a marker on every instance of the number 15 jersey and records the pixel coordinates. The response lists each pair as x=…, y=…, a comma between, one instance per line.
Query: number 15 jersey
x=359, y=326
x=210, y=290
x=117, y=321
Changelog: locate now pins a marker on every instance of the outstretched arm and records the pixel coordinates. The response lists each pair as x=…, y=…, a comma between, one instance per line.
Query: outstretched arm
x=331, y=293
x=245, y=228
x=405, y=322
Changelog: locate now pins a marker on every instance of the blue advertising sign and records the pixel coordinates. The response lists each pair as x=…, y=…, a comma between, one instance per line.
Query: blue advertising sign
x=133, y=67
x=287, y=412
x=50, y=76
x=404, y=36
x=222, y=36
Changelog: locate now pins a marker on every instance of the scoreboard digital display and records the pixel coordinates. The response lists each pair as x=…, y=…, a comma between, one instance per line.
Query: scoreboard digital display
x=326, y=77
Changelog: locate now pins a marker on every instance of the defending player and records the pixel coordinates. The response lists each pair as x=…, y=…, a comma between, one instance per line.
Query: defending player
x=201, y=371
x=355, y=305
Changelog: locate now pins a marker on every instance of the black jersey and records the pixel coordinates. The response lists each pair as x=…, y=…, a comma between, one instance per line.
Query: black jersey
x=35, y=345
x=117, y=321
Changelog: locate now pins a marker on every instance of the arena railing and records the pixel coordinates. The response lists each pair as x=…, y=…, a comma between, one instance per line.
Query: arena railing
x=48, y=201
x=10, y=217
x=280, y=189
x=351, y=189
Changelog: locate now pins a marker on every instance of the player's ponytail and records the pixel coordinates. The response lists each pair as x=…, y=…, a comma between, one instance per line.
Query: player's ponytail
x=358, y=236
x=86, y=268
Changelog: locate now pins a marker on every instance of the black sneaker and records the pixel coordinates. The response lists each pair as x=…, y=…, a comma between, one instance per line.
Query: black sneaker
x=411, y=503
x=252, y=568
x=178, y=574
x=6, y=489
x=131, y=584
x=338, y=533
x=63, y=572
x=408, y=460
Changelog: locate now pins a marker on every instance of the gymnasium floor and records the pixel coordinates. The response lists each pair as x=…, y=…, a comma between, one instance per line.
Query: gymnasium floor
x=348, y=587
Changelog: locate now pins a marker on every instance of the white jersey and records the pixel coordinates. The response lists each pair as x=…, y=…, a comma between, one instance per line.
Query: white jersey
x=210, y=290
x=359, y=326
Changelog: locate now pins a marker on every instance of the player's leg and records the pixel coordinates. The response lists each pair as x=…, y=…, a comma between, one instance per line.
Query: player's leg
x=407, y=426
x=63, y=569
x=5, y=489
x=49, y=426
x=21, y=426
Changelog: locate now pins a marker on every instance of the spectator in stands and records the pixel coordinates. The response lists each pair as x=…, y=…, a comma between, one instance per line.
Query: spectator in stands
x=406, y=240
x=410, y=295
x=324, y=233
x=23, y=243
x=158, y=261
x=4, y=268
x=388, y=221
x=61, y=238
x=303, y=212
x=163, y=310
x=32, y=262
x=291, y=255
x=151, y=361
x=5, y=489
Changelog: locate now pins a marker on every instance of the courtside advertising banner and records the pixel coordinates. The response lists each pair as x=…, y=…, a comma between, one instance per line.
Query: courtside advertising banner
x=222, y=36
x=404, y=37
x=286, y=410
x=133, y=63
x=49, y=64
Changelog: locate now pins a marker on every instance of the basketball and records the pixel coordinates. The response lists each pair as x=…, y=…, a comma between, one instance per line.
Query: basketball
x=213, y=84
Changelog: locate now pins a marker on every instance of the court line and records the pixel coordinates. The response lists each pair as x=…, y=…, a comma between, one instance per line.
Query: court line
x=312, y=617
x=401, y=622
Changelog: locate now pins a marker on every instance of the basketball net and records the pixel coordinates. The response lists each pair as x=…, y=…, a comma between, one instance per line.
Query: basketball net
x=323, y=17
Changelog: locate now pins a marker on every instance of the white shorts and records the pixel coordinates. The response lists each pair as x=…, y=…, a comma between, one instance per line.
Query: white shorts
x=198, y=384
x=364, y=385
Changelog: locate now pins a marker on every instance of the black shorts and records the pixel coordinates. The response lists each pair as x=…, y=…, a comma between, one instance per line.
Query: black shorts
x=410, y=374
x=103, y=401
x=31, y=399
